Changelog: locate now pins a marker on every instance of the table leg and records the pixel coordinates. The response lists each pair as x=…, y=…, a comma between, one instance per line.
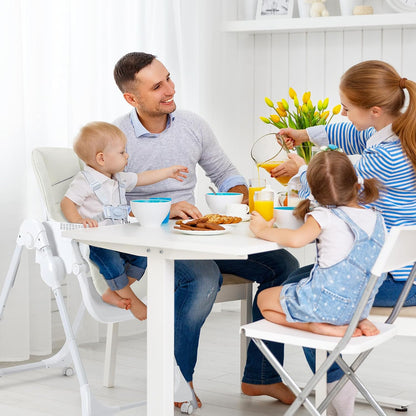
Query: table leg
x=160, y=334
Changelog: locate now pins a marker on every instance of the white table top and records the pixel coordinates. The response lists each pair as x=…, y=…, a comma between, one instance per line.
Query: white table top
x=134, y=239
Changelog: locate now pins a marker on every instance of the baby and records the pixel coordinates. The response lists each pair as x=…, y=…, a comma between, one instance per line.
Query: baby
x=96, y=196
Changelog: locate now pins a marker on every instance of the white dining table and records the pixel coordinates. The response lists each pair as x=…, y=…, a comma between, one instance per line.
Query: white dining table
x=162, y=246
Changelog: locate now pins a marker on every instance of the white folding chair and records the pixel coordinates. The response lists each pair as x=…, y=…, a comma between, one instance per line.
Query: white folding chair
x=397, y=252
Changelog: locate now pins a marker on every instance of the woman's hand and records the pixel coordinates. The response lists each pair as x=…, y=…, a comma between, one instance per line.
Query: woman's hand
x=258, y=224
x=293, y=137
x=289, y=168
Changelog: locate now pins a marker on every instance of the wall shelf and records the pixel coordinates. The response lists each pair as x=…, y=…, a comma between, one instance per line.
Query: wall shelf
x=374, y=21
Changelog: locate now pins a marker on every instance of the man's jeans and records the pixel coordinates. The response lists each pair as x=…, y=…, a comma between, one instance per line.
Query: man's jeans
x=196, y=285
x=269, y=269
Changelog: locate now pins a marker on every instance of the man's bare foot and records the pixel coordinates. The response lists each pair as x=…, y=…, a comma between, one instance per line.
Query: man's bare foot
x=198, y=401
x=278, y=391
x=332, y=330
x=138, y=309
x=368, y=328
x=113, y=298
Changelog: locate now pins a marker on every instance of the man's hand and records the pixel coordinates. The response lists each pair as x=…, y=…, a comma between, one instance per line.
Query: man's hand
x=184, y=210
x=241, y=189
x=289, y=168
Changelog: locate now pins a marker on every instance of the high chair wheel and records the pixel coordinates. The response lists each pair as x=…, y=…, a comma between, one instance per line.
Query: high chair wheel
x=187, y=408
x=68, y=371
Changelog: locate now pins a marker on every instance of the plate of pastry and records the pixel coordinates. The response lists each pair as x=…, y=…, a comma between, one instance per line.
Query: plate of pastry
x=200, y=226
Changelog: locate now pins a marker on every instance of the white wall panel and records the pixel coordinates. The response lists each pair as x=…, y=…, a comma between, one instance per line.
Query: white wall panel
x=311, y=61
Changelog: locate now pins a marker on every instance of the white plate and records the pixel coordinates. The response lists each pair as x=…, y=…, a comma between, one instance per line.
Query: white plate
x=227, y=229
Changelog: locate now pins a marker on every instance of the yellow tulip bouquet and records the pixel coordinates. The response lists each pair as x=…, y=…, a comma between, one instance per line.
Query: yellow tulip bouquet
x=304, y=115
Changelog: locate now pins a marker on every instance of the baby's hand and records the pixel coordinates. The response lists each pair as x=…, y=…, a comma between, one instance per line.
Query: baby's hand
x=258, y=223
x=89, y=223
x=178, y=172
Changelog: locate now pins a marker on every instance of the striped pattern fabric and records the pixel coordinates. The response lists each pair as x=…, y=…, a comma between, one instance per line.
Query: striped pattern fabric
x=386, y=162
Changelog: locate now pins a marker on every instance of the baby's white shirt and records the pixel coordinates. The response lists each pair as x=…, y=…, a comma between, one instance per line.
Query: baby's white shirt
x=89, y=206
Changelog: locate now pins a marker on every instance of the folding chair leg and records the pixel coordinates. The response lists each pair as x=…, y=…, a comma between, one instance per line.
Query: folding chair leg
x=301, y=397
x=351, y=375
x=110, y=354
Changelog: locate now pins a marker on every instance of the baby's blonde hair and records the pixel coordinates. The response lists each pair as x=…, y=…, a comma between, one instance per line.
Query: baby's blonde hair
x=94, y=137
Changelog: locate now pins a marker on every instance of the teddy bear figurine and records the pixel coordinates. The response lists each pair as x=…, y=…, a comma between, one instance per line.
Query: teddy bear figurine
x=318, y=8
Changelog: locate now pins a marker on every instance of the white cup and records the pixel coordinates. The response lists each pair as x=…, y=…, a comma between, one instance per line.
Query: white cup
x=238, y=210
x=284, y=218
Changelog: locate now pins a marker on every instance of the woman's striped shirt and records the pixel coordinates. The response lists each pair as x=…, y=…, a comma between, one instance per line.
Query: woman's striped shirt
x=382, y=158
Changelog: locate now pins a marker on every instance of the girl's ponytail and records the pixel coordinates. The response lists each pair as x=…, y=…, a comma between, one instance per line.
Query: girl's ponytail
x=370, y=191
x=302, y=209
x=405, y=125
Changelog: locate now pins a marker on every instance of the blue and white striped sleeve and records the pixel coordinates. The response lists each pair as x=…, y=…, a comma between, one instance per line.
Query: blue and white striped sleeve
x=343, y=135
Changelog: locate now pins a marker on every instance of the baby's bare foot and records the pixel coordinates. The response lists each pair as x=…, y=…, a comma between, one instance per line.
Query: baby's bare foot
x=113, y=298
x=368, y=328
x=278, y=391
x=332, y=330
x=138, y=309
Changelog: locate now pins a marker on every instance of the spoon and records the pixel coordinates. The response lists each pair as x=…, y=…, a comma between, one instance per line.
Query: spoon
x=212, y=189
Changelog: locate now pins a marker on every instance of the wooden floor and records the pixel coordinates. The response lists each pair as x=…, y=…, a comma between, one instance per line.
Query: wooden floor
x=390, y=370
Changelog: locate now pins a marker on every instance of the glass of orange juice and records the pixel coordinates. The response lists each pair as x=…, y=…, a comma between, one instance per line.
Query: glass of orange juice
x=264, y=203
x=254, y=185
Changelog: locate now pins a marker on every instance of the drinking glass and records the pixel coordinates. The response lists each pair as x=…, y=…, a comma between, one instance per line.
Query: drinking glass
x=254, y=185
x=264, y=203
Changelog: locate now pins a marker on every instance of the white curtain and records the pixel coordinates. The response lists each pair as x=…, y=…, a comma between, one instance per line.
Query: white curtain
x=56, y=75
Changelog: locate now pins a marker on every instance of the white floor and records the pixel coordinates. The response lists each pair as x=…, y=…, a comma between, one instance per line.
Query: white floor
x=390, y=370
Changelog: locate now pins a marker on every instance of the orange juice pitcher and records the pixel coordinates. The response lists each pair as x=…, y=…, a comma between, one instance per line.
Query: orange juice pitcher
x=270, y=151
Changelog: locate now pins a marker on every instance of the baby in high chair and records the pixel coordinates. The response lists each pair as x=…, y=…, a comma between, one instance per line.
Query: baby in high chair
x=96, y=197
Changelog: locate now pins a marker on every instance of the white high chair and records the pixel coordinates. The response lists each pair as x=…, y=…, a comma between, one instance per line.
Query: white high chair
x=397, y=251
x=58, y=256
x=55, y=168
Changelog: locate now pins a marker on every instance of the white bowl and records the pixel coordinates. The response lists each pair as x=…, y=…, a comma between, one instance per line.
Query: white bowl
x=218, y=202
x=151, y=212
x=284, y=218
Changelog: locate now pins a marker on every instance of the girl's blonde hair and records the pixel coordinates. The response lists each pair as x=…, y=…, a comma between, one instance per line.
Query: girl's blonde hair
x=93, y=138
x=376, y=83
x=333, y=182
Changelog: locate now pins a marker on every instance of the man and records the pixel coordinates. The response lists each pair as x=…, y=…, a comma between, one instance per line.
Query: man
x=157, y=136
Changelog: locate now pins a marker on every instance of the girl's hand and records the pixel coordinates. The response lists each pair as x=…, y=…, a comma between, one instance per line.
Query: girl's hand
x=89, y=223
x=178, y=172
x=294, y=137
x=259, y=224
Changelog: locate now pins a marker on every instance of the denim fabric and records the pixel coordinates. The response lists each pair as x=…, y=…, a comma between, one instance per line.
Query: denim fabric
x=196, y=285
x=390, y=291
x=331, y=294
x=269, y=269
x=115, y=266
